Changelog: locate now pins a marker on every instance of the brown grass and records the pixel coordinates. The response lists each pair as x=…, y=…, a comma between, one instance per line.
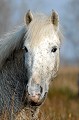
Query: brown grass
x=62, y=102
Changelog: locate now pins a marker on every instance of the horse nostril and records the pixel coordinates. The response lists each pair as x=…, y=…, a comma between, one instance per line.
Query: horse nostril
x=41, y=89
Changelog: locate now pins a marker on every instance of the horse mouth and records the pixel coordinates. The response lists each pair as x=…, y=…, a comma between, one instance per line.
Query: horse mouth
x=32, y=103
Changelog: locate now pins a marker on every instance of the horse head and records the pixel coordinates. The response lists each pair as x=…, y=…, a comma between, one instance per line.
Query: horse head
x=41, y=50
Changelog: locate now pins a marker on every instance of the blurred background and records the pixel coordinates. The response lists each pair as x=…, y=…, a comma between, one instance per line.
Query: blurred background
x=12, y=14
x=64, y=92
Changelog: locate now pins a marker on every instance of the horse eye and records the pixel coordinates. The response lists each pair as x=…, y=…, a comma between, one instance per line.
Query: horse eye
x=54, y=49
x=26, y=49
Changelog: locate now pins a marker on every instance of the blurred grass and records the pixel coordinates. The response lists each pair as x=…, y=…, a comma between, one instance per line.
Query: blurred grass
x=62, y=102
x=65, y=92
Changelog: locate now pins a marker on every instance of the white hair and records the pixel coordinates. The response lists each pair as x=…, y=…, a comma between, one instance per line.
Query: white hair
x=11, y=41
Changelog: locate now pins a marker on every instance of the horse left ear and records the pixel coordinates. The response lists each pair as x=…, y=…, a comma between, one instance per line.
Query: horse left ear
x=28, y=17
x=55, y=19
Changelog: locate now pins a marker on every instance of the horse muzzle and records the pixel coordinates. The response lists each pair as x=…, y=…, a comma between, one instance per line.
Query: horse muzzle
x=36, y=95
x=33, y=101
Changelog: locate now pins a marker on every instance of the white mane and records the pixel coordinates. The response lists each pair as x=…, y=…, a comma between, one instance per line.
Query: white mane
x=11, y=41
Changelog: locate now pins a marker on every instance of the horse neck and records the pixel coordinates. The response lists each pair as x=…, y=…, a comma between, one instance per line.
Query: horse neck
x=14, y=65
x=14, y=78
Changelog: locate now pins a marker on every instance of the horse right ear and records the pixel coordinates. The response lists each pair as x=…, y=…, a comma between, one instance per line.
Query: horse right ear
x=28, y=17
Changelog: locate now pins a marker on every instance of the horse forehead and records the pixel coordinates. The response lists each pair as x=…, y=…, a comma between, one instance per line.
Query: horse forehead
x=46, y=42
x=41, y=35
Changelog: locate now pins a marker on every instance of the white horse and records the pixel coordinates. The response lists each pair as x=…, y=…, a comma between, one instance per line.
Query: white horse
x=29, y=60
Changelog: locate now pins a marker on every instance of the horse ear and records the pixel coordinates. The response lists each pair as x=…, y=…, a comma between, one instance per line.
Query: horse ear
x=55, y=19
x=28, y=17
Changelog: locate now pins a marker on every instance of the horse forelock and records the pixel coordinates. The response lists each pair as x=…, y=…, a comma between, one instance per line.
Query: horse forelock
x=40, y=26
